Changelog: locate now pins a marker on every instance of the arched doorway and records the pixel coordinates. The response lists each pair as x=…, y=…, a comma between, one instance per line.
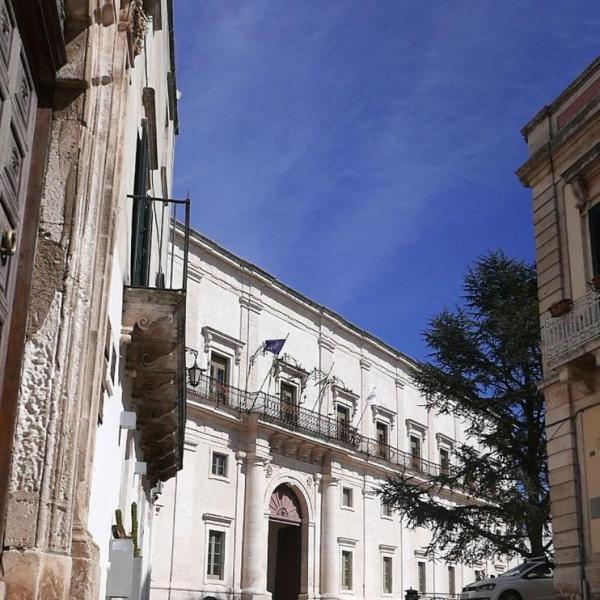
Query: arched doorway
x=285, y=544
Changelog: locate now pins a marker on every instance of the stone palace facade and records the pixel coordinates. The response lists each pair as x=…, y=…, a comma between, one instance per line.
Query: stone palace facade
x=284, y=453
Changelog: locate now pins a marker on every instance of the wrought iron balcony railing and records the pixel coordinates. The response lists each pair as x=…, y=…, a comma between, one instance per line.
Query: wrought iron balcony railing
x=153, y=245
x=296, y=418
x=564, y=335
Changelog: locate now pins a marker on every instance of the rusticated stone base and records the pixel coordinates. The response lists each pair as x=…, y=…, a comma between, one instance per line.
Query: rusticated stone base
x=85, y=571
x=35, y=575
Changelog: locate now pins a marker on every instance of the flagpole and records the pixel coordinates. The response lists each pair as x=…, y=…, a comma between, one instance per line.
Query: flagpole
x=263, y=345
x=251, y=363
x=367, y=404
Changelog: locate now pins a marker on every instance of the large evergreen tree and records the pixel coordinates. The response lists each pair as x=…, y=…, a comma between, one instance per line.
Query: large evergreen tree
x=486, y=364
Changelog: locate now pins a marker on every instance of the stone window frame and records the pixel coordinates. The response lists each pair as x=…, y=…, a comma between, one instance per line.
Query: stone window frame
x=221, y=523
x=446, y=443
x=224, y=345
x=577, y=177
x=286, y=372
x=346, y=398
x=416, y=429
x=387, y=551
x=223, y=452
x=347, y=506
x=383, y=515
x=347, y=545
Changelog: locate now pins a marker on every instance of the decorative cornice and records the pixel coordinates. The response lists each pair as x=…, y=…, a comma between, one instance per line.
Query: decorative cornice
x=400, y=383
x=194, y=273
x=326, y=343
x=365, y=364
x=387, y=548
x=344, y=541
x=445, y=441
x=416, y=427
x=251, y=303
x=234, y=344
x=217, y=519
x=344, y=394
x=385, y=413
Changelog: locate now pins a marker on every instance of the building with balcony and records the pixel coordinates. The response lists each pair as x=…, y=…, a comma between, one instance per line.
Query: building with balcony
x=563, y=171
x=285, y=449
x=92, y=321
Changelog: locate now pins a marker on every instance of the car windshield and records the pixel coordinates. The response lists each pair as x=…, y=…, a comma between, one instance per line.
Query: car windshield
x=522, y=568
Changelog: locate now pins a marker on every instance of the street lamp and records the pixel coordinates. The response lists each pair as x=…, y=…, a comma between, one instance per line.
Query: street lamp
x=195, y=371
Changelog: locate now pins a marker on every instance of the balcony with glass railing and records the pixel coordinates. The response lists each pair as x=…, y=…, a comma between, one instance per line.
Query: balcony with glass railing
x=572, y=333
x=154, y=307
x=295, y=418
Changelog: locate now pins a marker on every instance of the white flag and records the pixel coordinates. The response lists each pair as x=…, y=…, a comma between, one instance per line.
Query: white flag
x=372, y=398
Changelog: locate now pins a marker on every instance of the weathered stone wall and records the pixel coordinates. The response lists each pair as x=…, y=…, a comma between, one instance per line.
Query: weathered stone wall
x=50, y=555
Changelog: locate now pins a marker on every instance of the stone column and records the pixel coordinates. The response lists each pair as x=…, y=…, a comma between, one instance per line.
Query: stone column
x=370, y=553
x=329, y=547
x=240, y=457
x=255, y=543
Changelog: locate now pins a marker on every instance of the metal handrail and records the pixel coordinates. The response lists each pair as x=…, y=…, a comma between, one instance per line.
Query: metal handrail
x=297, y=418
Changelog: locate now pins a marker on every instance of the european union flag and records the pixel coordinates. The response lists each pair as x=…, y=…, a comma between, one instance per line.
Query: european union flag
x=274, y=346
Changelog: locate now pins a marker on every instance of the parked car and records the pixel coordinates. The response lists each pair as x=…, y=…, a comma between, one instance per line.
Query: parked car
x=531, y=580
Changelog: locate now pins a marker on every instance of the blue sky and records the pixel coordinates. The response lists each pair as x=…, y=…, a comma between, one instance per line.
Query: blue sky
x=364, y=152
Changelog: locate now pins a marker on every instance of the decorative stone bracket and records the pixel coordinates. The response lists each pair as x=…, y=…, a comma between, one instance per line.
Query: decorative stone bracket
x=154, y=320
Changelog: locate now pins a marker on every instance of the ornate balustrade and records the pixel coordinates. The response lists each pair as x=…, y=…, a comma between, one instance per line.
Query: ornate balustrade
x=564, y=335
x=296, y=418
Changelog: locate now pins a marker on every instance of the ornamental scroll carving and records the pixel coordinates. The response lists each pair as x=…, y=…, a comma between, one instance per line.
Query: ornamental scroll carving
x=134, y=21
x=284, y=505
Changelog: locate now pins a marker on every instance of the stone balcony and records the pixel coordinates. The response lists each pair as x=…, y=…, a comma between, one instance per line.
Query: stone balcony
x=571, y=335
x=315, y=432
x=154, y=322
x=153, y=325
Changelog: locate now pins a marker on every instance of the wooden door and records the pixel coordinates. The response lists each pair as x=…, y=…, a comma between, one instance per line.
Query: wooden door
x=18, y=103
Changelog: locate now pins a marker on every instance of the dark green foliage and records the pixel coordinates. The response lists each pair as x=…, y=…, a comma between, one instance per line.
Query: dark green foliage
x=486, y=364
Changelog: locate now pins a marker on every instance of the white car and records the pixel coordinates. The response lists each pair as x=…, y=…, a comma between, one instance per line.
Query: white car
x=531, y=580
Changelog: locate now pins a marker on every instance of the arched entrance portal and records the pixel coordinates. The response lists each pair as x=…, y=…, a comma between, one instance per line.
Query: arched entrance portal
x=285, y=544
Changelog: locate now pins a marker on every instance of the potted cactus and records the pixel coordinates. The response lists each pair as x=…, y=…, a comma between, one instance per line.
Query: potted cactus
x=119, y=533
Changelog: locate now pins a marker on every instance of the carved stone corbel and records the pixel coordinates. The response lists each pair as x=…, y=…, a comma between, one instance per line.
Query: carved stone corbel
x=580, y=189
x=134, y=22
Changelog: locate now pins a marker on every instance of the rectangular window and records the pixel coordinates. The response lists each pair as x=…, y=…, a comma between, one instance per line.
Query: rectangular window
x=451, y=580
x=216, y=546
x=346, y=570
x=382, y=440
x=422, y=577
x=444, y=461
x=594, y=226
x=289, y=406
x=342, y=416
x=347, y=497
x=415, y=452
x=479, y=575
x=141, y=214
x=219, y=367
x=387, y=575
x=386, y=509
x=219, y=464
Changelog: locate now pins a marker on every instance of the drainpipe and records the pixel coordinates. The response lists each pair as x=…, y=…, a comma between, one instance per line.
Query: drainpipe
x=173, y=538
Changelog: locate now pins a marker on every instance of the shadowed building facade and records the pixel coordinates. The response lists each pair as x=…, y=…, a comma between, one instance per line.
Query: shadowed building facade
x=92, y=332
x=563, y=171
